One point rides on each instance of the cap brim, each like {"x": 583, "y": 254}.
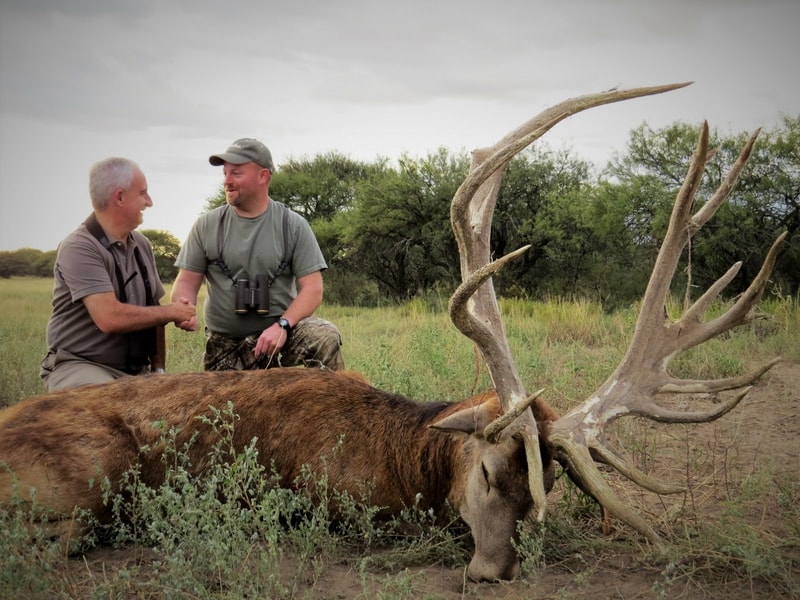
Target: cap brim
{"x": 228, "y": 157}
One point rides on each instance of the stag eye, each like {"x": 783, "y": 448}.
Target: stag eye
{"x": 486, "y": 477}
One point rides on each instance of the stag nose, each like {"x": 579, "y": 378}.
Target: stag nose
{"x": 481, "y": 570}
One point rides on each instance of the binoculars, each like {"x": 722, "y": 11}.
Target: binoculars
{"x": 252, "y": 294}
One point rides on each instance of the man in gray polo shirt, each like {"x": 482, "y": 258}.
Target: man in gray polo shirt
{"x": 106, "y": 313}
{"x": 263, "y": 270}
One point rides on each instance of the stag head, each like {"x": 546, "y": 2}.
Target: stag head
{"x": 578, "y": 438}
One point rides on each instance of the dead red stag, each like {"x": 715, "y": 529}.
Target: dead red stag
{"x": 490, "y": 457}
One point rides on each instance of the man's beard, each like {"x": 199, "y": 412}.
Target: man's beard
{"x": 233, "y": 198}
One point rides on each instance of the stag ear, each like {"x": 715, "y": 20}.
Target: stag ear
{"x": 468, "y": 420}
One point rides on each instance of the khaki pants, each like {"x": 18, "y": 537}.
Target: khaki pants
{"x": 314, "y": 343}
{"x": 62, "y": 370}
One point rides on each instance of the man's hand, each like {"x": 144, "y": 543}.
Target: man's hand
{"x": 270, "y": 341}
{"x": 189, "y": 320}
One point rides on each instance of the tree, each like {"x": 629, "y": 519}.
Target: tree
{"x": 43, "y": 266}
{"x": 398, "y": 233}
{"x": 538, "y": 192}
{"x": 770, "y": 188}
{"x": 763, "y": 204}
{"x": 321, "y": 187}
{"x": 316, "y": 188}
{"x": 12, "y": 264}
{"x": 165, "y": 248}
{"x": 26, "y": 262}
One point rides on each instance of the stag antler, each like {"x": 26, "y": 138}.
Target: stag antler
{"x": 578, "y": 437}
{"x": 642, "y": 373}
{"x": 473, "y": 307}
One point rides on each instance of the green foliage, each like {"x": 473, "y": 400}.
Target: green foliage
{"x": 764, "y": 203}
{"x": 384, "y": 227}
{"x": 216, "y": 200}
{"x": 229, "y": 532}
{"x": 536, "y": 203}
{"x": 321, "y": 187}
{"x": 398, "y": 231}
{"x": 165, "y": 248}
{"x": 26, "y": 261}
{"x": 29, "y": 568}
{"x": 343, "y": 285}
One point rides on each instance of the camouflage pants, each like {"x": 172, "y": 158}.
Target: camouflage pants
{"x": 314, "y": 343}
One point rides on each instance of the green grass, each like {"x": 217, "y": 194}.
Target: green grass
{"x": 194, "y": 544}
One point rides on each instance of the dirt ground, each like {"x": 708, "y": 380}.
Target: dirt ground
{"x": 763, "y": 430}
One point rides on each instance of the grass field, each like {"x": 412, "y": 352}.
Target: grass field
{"x": 567, "y": 347}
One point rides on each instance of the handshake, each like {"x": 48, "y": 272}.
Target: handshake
{"x": 184, "y": 314}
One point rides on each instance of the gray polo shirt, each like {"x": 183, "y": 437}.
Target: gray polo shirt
{"x": 83, "y": 267}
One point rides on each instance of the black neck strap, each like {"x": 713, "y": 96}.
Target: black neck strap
{"x": 220, "y": 241}
{"x": 96, "y": 230}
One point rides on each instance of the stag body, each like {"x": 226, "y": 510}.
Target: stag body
{"x": 360, "y": 436}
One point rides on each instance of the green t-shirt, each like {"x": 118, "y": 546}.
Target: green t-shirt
{"x": 255, "y": 245}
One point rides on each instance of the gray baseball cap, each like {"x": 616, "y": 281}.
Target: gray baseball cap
{"x": 243, "y": 151}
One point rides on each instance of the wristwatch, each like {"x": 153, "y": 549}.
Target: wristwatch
{"x": 284, "y": 324}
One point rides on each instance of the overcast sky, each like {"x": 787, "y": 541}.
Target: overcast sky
{"x": 167, "y": 83}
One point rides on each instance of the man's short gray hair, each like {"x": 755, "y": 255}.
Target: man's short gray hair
{"x": 107, "y": 176}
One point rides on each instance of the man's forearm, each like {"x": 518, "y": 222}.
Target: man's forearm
{"x": 302, "y": 306}
{"x": 187, "y": 286}
{"x": 180, "y": 292}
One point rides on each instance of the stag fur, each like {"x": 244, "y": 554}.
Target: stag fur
{"x": 401, "y": 450}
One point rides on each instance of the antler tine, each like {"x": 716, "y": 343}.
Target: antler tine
{"x": 710, "y": 207}
{"x": 576, "y": 458}
{"x": 696, "y": 332}
{"x": 579, "y": 436}
{"x": 675, "y": 240}
{"x": 474, "y": 308}
{"x": 458, "y": 306}
{"x": 493, "y": 429}
{"x": 712, "y": 386}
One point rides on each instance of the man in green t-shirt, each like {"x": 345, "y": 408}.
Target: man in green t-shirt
{"x": 262, "y": 267}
